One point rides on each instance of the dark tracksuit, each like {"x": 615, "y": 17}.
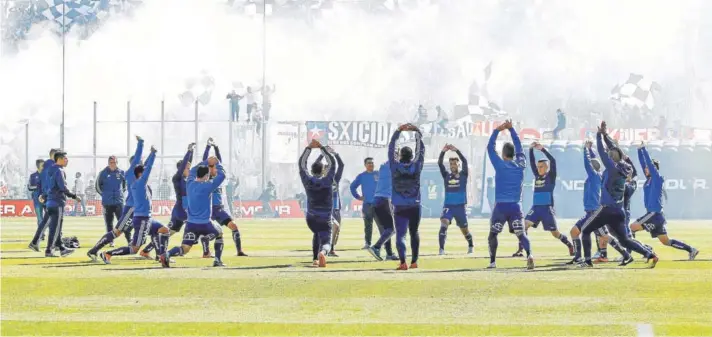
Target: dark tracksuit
{"x": 611, "y": 212}
{"x": 367, "y": 181}
{"x": 179, "y": 214}
{"x": 56, "y": 200}
{"x": 111, "y": 186}
{"x": 543, "y": 202}
{"x": 455, "y": 198}
{"x": 406, "y": 195}
{"x": 320, "y": 201}
{"x": 35, "y": 186}
{"x": 44, "y": 181}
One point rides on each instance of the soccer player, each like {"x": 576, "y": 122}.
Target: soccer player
{"x": 56, "y": 200}
{"x": 44, "y": 181}
{"x": 142, "y": 222}
{"x": 35, "y": 186}
{"x": 123, "y": 225}
{"x": 200, "y": 190}
{"x": 336, "y": 214}
{"x": 219, "y": 214}
{"x": 320, "y": 201}
{"x": 179, "y": 213}
{"x": 653, "y": 193}
{"x": 509, "y": 177}
{"x": 405, "y": 173}
{"x": 611, "y": 212}
{"x": 542, "y": 210}
{"x": 383, "y": 212}
{"x": 455, "y": 197}
{"x": 111, "y": 185}
{"x": 367, "y": 180}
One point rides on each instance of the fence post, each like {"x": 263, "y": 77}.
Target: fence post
{"x": 229, "y": 147}
{"x": 163, "y": 133}
{"x": 128, "y": 129}
{"x": 94, "y": 139}
{"x": 196, "y": 122}
{"x": 27, "y": 150}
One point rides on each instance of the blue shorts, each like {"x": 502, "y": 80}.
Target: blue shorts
{"x": 220, "y": 215}
{"x": 143, "y": 226}
{"x": 124, "y": 223}
{"x": 544, "y": 214}
{"x": 507, "y": 212}
{"x": 588, "y": 218}
{"x": 457, "y": 212}
{"x": 654, "y": 223}
{"x": 178, "y": 218}
{"x": 194, "y": 231}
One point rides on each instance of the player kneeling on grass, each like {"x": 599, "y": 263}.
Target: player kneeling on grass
{"x": 544, "y": 184}
{"x": 142, "y": 222}
{"x": 653, "y": 193}
{"x": 455, "y": 197}
{"x": 200, "y": 190}
{"x": 320, "y": 199}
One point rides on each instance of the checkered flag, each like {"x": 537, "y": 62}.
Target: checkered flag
{"x": 637, "y": 92}
{"x": 479, "y": 106}
{"x": 66, "y": 13}
{"x": 198, "y": 89}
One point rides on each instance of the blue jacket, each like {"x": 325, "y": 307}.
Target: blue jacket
{"x": 614, "y": 177}
{"x": 45, "y": 175}
{"x": 592, "y": 185}
{"x": 320, "y": 197}
{"x": 139, "y": 190}
{"x": 218, "y": 192}
{"x": 544, "y": 185}
{"x": 455, "y": 184}
{"x": 509, "y": 174}
{"x": 337, "y": 179}
{"x": 367, "y": 181}
{"x": 130, "y": 177}
{"x": 35, "y": 186}
{"x": 200, "y": 194}
{"x": 654, "y": 188}
{"x": 406, "y": 176}
{"x": 179, "y": 182}
{"x": 630, "y": 186}
{"x": 384, "y": 188}
{"x": 58, "y": 190}
{"x": 111, "y": 186}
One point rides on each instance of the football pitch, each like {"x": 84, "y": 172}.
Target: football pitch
{"x": 276, "y": 292}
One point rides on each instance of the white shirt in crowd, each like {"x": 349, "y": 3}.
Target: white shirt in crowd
{"x": 79, "y": 187}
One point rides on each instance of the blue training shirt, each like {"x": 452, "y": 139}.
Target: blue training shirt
{"x": 654, "y": 188}
{"x": 217, "y": 193}
{"x": 544, "y": 185}
{"x": 45, "y": 175}
{"x": 111, "y": 186}
{"x": 320, "y": 197}
{"x": 592, "y": 185}
{"x": 140, "y": 191}
{"x": 406, "y": 176}
{"x": 35, "y": 186}
{"x": 455, "y": 184}
{"x": 130, "y": 176}
{"x": 614, "y": 177}
{"x": 367, "y": 181}
{"x": 200, "y": 194}
{"x": 384, "y": 188}
{"x": 58, "y": 190}
{"x": 509, "y": 174}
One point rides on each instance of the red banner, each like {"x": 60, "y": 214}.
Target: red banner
{"x": 244, "y": 209}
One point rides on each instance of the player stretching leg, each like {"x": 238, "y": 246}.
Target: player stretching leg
{"x": 509, "y": 177}
{"x": 544, "y": 184}
{"x": 405, "y": 173}
{"x": 367, "y": 180}
{"x": 124, "y": 224}
{"x": 611, "y": 212}
{"x": 383, "y": 213}
{"x": 319, "y": 201}
{"x": 455, "y": 197}
{"x": 179, "y": 213}
{"x": 336, "y": 213}
{"x": 219, "y": 213}
{"x": 591, "y": 197}
{"x": 200, "y": 190}
{"x": 653, "y": 192}
{"x": 142, "y": 222}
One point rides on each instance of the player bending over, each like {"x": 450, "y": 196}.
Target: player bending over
{"x": 142, "y": 222}
{"x": 201, "y": 189}
{"x": 509, "y": 177}
{"x": 653, "y": 193}
{"x": 405, "y": 173}
{"x": 611, "y": 212}
{"x": 455, "y": 197}
{"x": 320, "y": 201}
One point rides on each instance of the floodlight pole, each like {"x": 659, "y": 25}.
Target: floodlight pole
{"x": 61, "y": 125}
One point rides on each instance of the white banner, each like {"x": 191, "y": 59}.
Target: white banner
{"x": 284, "y": 143}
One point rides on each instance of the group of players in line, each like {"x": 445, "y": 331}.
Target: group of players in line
{"x": 391, "y": 197}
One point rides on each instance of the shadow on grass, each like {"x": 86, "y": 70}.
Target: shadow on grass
{"x": 338, "y": 250}
{"x": 158, "y": 267}
{"x": 12, "y": 241}
{"x": 327, "y": 270}
{"x": 277, "y": 266}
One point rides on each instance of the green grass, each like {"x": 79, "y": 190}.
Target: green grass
{"x": 275, "y": 292}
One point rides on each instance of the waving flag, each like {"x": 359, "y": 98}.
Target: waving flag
{"x": 66, "y": 13}
{"x": 636, "y": 91}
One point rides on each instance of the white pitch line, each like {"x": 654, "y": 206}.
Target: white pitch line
{"x": 645, "y": 330}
